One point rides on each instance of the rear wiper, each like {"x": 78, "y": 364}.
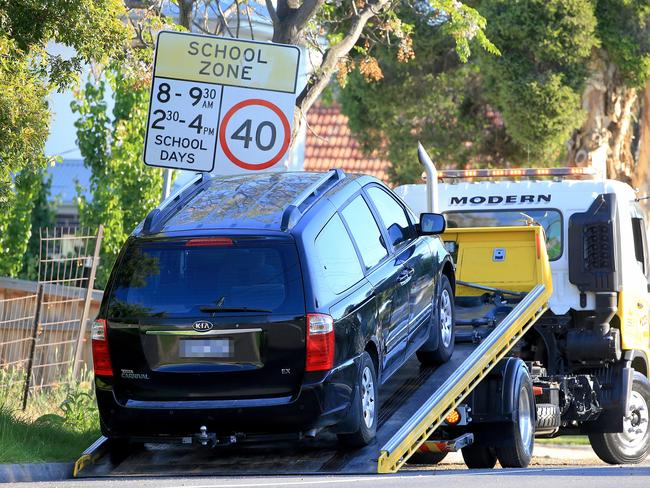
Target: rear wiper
{"x": 212, "y": 309}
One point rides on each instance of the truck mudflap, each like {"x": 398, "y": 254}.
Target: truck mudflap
{"x": 413, "y": 403}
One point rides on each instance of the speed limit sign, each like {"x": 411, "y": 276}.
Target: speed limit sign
{"x": 221, "y": 105}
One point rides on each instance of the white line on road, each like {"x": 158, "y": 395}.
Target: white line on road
{"x": 297, "y": 483}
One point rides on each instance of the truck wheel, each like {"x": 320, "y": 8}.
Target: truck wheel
{"x": 426, "y": 457}
{"x": 439, "y": 347}
{"x": 633, "y": 444}
{"x": 367, "y": 405}
{"x": 520, "y": 451}
{"x": 479, "y": 457}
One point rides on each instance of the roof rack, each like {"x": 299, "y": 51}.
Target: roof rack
{"x": 306, "y": 199}
{"x": 159, "y": 215}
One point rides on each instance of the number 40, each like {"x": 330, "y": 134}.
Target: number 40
{"x": 243, "y": 133}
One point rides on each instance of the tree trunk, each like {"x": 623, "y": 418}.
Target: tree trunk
{"x": 642, "y": 156}
{"x": 606, "y": 138}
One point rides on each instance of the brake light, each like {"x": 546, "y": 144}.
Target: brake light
{"x": 320, "y": 342}
{"x": 210, "y": 241}
{"x": 101, "y": 357}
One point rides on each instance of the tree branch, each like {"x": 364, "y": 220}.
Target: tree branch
{"x": 306, "y": 12}
{"x": 321, "y": 77}
{"x": 272, "y": 13}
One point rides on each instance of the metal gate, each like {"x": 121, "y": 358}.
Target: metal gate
{"x": 41, "y": 335}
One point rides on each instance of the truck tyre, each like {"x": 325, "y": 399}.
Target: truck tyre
{"x": 522, "y": 431}
{"x": 427, "y": 457}
{"x": 440, "y": 345}
{"x": 366, "y": 403}
{"x": 479, "y": 457}
{"x": 633, "y": 444}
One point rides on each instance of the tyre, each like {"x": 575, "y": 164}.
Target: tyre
{"x": 519, "y": 452}
{"x": 427, "y": 457}
{"x": 633, "y": 444}
{"x": 479, "y": 457}
{"x": 367, "y": 405}
{"x": 439, "y": 347}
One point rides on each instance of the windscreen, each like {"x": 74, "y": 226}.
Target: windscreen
{"x": 190, "y": 278}
{"x": 550, "y": 220}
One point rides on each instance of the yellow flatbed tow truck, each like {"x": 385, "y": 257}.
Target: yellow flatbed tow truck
{"x": 503, "y": 283}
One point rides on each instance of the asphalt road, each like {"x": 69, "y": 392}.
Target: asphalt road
{"x": 546, "y": 471}
{"x": 546, "y": 477}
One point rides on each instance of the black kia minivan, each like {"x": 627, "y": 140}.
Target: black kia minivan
{"x": 269, "y": 304}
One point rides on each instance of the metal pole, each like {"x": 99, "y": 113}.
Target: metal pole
{"x": 167, "y": 184}
{"x": 32, "y": 347}
{"x": 432, "y": 179}
{"x": 87, "y": 300}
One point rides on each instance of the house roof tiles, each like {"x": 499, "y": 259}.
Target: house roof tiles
{"x": 330, "y": 144}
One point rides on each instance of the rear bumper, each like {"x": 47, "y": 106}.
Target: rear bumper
{"x": 323, "y": 401}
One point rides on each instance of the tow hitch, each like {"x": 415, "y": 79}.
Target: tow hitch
{"x": 211, "y": 439}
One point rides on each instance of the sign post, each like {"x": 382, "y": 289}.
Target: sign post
{"x": 221, "y": 105}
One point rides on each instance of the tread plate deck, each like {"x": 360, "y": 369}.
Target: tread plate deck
{"x": 400, "y": 397}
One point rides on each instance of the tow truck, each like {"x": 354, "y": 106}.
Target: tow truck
{"x": 420, "y": 406}
{"x": 588, "y": 355}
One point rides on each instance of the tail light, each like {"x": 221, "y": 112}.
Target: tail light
{"x": 101, "y": 357}
{"x": 320, "y": 342}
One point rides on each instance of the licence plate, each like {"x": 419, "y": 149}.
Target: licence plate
{"x": 206, "y": 348}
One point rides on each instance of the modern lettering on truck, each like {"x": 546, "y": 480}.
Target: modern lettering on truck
{"x": 499, "y": 199}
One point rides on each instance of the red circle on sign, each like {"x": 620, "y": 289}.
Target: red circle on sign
{"x": 235, "y": 159}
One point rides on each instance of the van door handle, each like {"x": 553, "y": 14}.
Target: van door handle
{"x": 640, "y": 305}
{"x": 405, "y": 275}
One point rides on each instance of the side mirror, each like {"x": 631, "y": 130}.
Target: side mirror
{"x": 432, "y": 224}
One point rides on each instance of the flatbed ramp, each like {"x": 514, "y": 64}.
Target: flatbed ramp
{"x": 413, "y": 404}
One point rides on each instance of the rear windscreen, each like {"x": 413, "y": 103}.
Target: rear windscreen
{"x": 190, "y": 278}
{"x": 550, "y": 220}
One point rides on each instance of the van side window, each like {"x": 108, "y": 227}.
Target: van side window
{"x": 337, "y": 256}
{"x": 638, "y": 231}
{"x": 365, "y": 231}
{"x": 393, "y": 216}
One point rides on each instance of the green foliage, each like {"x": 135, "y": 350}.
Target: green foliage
{"x": 16, "y": 221}
{"x": 94, "y": 29}
{"x": 59, "y": 423}
{"x": 24, "y": 116}
{"x": 624, "y": 29}
{"x": 28, "y": 72}
{"x": 518, "y": 107}
{"x": 465, "y": 24}
{"x": 433, "y": 98}
{"x": 123, "y": 188}
{"x": 42, "y": 216}
{"x": 537, "y": 82}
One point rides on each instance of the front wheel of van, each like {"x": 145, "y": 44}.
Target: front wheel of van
{"x": 442, "y": 326}
{"x": 366, "y": 405}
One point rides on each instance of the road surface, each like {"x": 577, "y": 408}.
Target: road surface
{"x": 552, "y": 468}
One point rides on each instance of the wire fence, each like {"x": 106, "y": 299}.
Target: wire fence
{"x": 41, "y": 335}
